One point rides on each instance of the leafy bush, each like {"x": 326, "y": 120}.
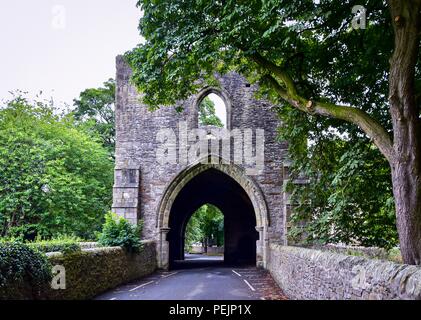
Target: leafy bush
{"x": 22, "y": 270}
{"x": 348, "y": 198}
{"x": 56, "y": 176}
{"x": 117, "y": 231}
{"x": 61, "y": 244}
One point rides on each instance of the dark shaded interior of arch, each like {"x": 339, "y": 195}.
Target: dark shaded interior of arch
{"x": 215, "y": 187}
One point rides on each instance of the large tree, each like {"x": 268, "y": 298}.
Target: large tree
{"x": 304, "y": 55}
{"x": 95, "y": 107}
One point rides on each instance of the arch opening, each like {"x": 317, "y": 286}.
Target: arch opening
{"x": 215, "y": 187}
{"x": 213, "y": 111}
{"x": 233, "y": 186}
{"x": 204, "y": 229}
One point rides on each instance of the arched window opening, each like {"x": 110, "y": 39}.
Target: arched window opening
{"x": 213, "y": 111}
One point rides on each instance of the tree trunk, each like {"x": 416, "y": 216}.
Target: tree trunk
{"x": 407, "y": 193}
{"x": 405, "y": 113}
{"x": 205, "y": 245}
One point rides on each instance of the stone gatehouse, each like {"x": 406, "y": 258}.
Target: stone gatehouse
{"x": 165, "y": 195}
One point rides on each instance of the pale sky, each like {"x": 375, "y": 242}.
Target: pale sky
{"x": 63, "y": 46}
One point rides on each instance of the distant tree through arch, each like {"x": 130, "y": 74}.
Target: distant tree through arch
{"x": 213, "y": 111}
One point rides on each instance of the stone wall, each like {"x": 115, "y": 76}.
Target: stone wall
{"x": 89, "y": 245}
{"x": 95, "y": 270}
{"x": 312, "y": 274}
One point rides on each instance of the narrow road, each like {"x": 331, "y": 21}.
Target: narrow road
{"x": 214, "y": 282}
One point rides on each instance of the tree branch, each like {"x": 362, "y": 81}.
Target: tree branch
{"x": 288, "y": 92}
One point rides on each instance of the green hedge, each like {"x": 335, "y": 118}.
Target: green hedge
{"x": 25, "y": 273}
{"x": 89, "y": 273}
{"x": 64, "y": 246}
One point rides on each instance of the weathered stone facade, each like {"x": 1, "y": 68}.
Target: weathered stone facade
{"x": 312, "y": 274}
{"x": 145, "y": 189}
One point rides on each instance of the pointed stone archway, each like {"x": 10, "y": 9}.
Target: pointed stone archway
{"x": 148, "y": 191}
{"x": 236, "y": 194}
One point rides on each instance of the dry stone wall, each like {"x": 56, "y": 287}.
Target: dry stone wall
{"x": 312, "y": 274}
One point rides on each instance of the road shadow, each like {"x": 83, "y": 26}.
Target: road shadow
{"x": 197, "y": 261}
{"x": 192, "y": 261}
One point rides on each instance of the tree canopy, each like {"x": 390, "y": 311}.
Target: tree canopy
{"x": 306, "y": 56}
{"x": 95, "y": 107}
{"x": 56, "y": 177}
{"x": 187, "y": 41}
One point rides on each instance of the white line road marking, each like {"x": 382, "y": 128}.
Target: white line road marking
{"x": 113, "y": 298}
{"x": 169, "y": 275}
{"x": 142, "y": 285}
{"x": 236, "y": 273}
{"x": 250, "y": 286}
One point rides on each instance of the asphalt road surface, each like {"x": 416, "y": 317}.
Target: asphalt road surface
{"x": 200, "y": 278}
